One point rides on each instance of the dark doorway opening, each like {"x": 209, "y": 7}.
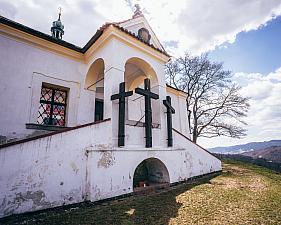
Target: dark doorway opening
{"x": 151, "y": 174}
{"x": 98, "y": 110}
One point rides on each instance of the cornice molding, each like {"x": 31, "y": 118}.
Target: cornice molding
{"x": 109, "y": 33}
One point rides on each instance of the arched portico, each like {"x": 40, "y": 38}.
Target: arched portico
{"x": 149, "y": 172}
{"x": 136, "y": 70}
{"x": 94, "y": 85}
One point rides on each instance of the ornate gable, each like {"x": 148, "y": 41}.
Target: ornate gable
{"x": 140, "y": 27}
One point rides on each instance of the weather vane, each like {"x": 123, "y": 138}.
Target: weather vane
{"x": 138, "y": 11}
{"x": 60, "y": 9}
{"x": 137, "y": 6}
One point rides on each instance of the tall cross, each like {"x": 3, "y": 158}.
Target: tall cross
{"x": 170, "y": 111}
{"x": 121, "y": 120}
{"x": 148, "y": 95}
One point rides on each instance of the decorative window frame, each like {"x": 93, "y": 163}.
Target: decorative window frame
{"x": 38, "y": 79}
{"x": 56, "y": 98}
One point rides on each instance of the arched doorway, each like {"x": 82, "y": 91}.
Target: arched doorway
{"x": 94, "y": 84}
{"x": 151, "y": 172}
{"x": 136, "y": 70}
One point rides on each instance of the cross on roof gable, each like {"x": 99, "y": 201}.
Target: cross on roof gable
{"x": 137, "y": 22}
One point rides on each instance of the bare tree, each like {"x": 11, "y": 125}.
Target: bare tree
{"x": 214, "y": 104}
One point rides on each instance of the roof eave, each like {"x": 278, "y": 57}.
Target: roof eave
{"x": 68, "y": 45}
{"x": 39, "y": 34}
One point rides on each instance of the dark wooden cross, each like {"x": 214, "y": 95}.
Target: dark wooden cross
{"x": 170, "y": 111}
{"x": 121, "y": 120}
{"x": 148, "y": 95}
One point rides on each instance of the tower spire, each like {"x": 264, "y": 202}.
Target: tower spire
{"x": 57, "y": 28}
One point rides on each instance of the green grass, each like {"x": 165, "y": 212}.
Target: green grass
{"x": 242, "y": 194}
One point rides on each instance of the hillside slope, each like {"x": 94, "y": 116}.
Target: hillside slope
{"x": 236, "y": 149}
{"x": 242, "y": 194}
{"x": 270, "y": 154}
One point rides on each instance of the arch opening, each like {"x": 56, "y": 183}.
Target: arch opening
{"x": 136, "y": 70}
{"x": 151, "y": 173}
{"x": 94, "y": 84}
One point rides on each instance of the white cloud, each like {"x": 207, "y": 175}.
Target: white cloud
{"x": 264, "y": 117}
{"x": 194, "y": 26}
{"x": 265, "y": 94}
{"x": 208, "y": 24}
{"x": 200, "y": 26}
{"x": 81, "y": 18}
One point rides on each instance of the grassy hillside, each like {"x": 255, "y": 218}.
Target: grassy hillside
{"x": 242, "y": 194}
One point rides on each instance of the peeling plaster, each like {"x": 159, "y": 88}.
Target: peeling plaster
{"x": 46, "y": 179}
{"x": 29, "y": 178}
{"x": 34, "y": 200}
{"x": 72, "y": 196}
{"x": 3, "y": 204}
{"x": 107, "y": 159}
{"x": 74, "y": 167}
{"x": 188, "y": 160}
{"x": 103, "y": 147}
{"x": 38, "y": 198}
{"x": 97, "y": 192}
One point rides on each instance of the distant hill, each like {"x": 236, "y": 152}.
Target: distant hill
{"x": 238, "y": 149}
{"x": 270, "y": 154}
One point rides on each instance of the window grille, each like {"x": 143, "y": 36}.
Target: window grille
{"x": 52, "y": 109}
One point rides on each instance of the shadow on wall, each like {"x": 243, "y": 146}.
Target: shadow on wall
{"x": 157, "y": 208}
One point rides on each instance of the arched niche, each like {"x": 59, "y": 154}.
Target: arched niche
{"x": 149, "y": 172}
{"x": 94, "y": 85}
{"x": 95, "y": 75}
{"x": 136, "y": 70}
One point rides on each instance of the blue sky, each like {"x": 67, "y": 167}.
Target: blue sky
{"x": 256, "y": 51}
{"x": 255, "y": 60}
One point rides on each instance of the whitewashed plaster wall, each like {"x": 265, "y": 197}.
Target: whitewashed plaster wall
{"x": 180, "y": 118}
{"x": 49, "y": 171}
{"x": 116, "y": 177}
{"x": 114, "y": 74}
{"x": 59, "y": 170}
{"x": 183, "y": 161}
{"x": 200, "y": 160}
{"x": 23, "y": 69}
{"x": 82, "y": 164}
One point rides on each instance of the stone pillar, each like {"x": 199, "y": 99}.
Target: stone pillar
{"x": 162, "y": 132}
{"x": 112, "y": 78}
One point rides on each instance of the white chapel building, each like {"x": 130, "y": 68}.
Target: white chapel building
{"x": 91, "y": 123}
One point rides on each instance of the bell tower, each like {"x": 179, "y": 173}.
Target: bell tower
{"x": 57, "y": 28}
